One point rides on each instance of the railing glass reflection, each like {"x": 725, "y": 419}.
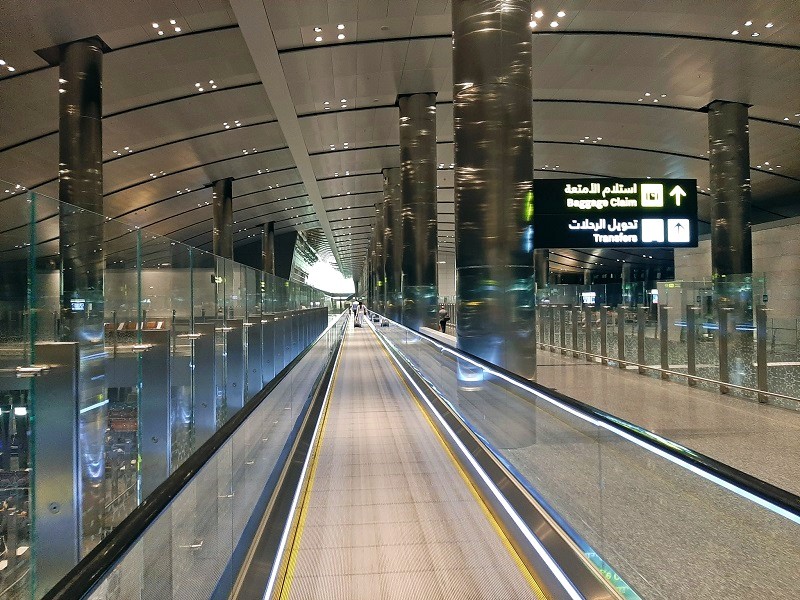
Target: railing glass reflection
{"x": 170, "y": 342}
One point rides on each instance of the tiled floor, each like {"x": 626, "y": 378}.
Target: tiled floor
{"x": 758, "y": 439}
{"x": 388, "y": 514}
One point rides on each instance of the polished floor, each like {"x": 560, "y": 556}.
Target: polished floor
{"x": 388, "y": 514}
{"x": 758, "y": 439}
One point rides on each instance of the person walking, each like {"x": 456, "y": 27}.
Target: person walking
{"x": 444, "y": 317}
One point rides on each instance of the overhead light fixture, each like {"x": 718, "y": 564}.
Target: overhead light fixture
{"x": 317, "y": 29}
{"x": 326, "y": 103}
{"x": 755, "y": 34}
{"x": 538, "y": 14}
{"x": 748, "y": 23}
{"x": 155, "y": 25}
{"x": 172, "y": 21}
{"x": 769, "y": 25}
{"x": 318, "y": 38}
{"x": 340, "y": 36}
{"x": 561, "y": 14}
{"x": 533, "y": 24}
{"x": 343, "y": 100}
{"x": 735, "y": 32}
{"x": 177, "y": 30}
{"x": 554, "y": 24}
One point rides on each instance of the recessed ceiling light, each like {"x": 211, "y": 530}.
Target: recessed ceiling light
{"x": 755, "y": 34}
{"x": 735, "y": 32}
{"x": 343, "y": 100}
{"x": 554, "y": 24}
{"x": 11, "y": 69}
{"x": 327, "y": 108}
{"x": 2, "y": 63}
{"x": 155, "y": 25}
{"x": 200, "y": 90}
{"x": 769, "y": 25}
{"x": 647, "y": 94}
{"x": 340, "y": 26}
{"x": 748, "y": 23}
{"x": 172, "y": 21}
{"x": 211, "y": 81}
{"x": 177, "y": 30}
{"x": 538, "y": 14}
{"x": 317, "y": 29}
{"x": 160, "y": 32}
{"x": 533, "y": 24}
{"x": 340, "y": 36}
{"x": 197, "y": 85}
{"x": 326, "y": 103}
{"x": 663, "y": 95}
{"x": 318, "y": 38}
{"x": 561, "y": 13}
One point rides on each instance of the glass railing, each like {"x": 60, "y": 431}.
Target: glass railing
{"x": 657, "y": 520}
{"x": 194, "y": 541}
{"x": 723, "y": 342}
{"x": 121, "y": 352}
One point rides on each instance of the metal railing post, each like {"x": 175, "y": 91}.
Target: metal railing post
{"x": 588, "y": 331}
{"x": 691, "y": 343}
{"x": 641, "y": 318}
{"x": 575, "y": 315}
{"x": 621, "y": 335}
{"x": 663, "y": 325}
{"x": 724, "y": 372}
{"x": 603, "y": 334}
{"x": 761, "y": 351}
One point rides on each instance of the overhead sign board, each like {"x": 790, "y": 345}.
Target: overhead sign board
{"x": 615, "y": 213}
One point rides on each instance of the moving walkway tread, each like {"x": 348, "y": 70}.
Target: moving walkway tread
{"x": 387, "y": 512}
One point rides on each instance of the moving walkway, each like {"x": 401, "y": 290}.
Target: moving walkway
{"x": 409, "y": 469}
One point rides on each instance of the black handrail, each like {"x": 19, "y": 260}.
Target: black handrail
{"x": 758, "y": 487}
{"x": 110, "y": 550}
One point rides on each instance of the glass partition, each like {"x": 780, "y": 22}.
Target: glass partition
{"x": 718, "y": 335}
{"x": 144, "y": 340}
{"x": 653, "y": 524}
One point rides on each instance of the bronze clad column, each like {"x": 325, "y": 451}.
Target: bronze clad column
{"x": 392, "y": 240}
{"x": 418, "y": 192}
{"x": 81, "y": 245}
{"x": 222, "y": 206}
{"x": 729, "y": 160}
{"x": 268, "y": 248}
{"x": 493, "y": 138}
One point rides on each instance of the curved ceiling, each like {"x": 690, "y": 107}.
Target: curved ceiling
{"x": 620, "y": 88}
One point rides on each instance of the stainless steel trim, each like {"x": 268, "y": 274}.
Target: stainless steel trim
{"x": 55, "y": 475}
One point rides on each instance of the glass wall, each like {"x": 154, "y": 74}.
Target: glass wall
{"x": 121, "y": 352}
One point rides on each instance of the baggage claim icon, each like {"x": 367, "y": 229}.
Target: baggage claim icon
{"x": 652, "y": 196}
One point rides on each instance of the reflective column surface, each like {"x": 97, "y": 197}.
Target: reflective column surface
{"x": 391, "y": 237}
{"x": 418, "y": 192}
{"x": 83, "y": 260}
{"x": 222, "y": 205}
{"x": 729, "y": 160}
{"x": 493, "y": 141}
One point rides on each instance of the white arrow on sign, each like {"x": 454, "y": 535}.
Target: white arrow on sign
{"x": 678, "y": 192}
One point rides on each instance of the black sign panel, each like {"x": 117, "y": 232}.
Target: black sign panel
{"x": 615, "y": 213}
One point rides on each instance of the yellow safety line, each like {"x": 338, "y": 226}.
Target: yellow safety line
{"x": 298, "y": 534}
{"x": 473, "y": 490}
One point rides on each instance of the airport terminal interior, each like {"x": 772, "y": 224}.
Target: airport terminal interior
{"x": 399, "y": 299}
